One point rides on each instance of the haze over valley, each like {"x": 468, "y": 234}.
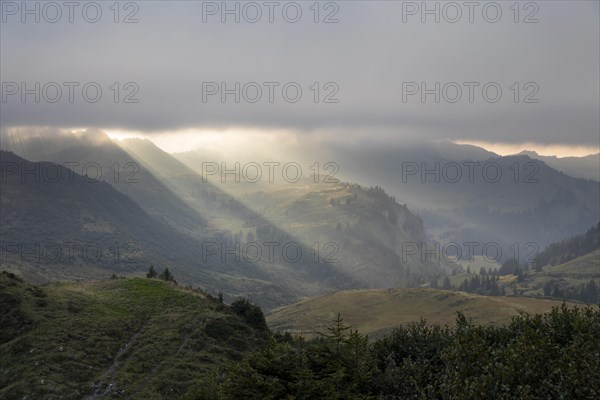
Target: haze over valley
{"x": 299, "y": 200}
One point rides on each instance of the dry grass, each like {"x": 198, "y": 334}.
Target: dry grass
{"x": 376, "y": 311}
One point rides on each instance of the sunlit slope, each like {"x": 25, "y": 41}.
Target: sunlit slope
{"x": 76, "y": 226}
{"x": 376, "y": 311}
{"x": 123, "y": 338}
{"x": 531, "y": 201}
{"x": 355, "y": 234}
{"x": 360, "y": 230}
{"x": 355, "y": 230}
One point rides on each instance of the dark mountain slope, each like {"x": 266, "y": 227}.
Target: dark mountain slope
{"x": 95, "y": 153}
{"x": 76, "y": 227}
{"x": 587, "y": 167}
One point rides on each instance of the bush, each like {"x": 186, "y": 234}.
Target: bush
{"x": 555, "y": 355}
{"x": 251, "y": 313}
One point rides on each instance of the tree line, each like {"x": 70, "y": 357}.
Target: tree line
{"x": 534, "y": 356}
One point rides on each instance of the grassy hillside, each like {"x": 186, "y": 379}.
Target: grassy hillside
{"x": 123, "y": 338}
{"x": 567, "y": 276}
{"x": 569, "y": 269}
{"x": 376, "y": 312}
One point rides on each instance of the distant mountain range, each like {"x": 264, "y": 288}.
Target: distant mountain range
{"x": 348, "y": 236}
{"x": 462, "y": 193}
{"x": 587, "y": 167}
{"x": 162, "y": 203}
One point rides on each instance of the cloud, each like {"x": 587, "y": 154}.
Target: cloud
{"x": 363, "y": 61}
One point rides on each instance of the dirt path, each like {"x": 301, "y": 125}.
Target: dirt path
{"x": 99, "y": 392}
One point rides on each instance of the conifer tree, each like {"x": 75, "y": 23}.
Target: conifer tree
{"x": 167, "y": 276}
{"x": 151, "y": 272}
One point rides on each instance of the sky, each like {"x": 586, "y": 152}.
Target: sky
{"x": 496, "y": 75}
